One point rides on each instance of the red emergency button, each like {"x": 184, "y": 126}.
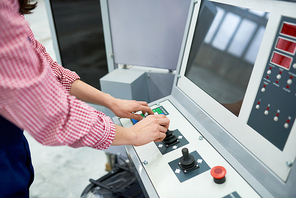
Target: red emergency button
{"x": 218, "y": 173}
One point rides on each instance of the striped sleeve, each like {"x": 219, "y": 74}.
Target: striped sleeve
{"x": 63, "y": 75}
{"x": 32, "y": 98}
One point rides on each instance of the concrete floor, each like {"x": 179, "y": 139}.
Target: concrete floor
{"x": 60, "y": 172}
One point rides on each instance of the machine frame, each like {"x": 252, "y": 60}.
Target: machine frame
{"x": 219, "y": 132}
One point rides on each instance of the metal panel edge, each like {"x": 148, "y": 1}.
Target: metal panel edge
{"x": 134, "y": 159}
{"x": 107, "y": 35}
{"x": 53, "y": 31}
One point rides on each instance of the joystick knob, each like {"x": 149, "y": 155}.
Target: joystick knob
{"x": 170, "y": 139}
{"x": 218, "y": 173}
{"x": 187, "y": 161}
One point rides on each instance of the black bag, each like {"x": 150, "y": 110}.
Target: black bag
{"x": 121, "y": 182}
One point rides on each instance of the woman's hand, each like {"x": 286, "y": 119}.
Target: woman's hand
{"x": 152, "y": 128}
{"x": 126, "y": 108}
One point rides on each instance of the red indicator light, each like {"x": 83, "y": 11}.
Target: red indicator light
{"x": 277, "y": 114}
{"x": 286, "y": 45}
{"x": 281, "y": 60}
{"x": 280, "y": 72}
{"x": 277, "y": 82}
{"x": 258, "y": 102}
{"x": 267, "y": 76}
{"x": 264, "y": 85}
{"x": 270, "y": 67}
{"x": 288, "y": 86}
{"x": 267, "y": 108}
{"x": 291, "y": 77}
{"x": 288, "y": 121}
{"x": 289, "y": 29}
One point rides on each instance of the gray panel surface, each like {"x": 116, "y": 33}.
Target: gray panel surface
{"x": 148, "y": 33}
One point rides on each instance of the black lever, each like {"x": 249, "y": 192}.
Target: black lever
{"x": 187, "y": 161}
{"x": 170, "y": 139}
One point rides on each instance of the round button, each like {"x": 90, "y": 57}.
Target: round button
{"x": 218, "y": 173}
{"x": 276, "y": 118}
{"x": 263, "y": 90}
{"x": 257, "y": 106}
{"x": 269, "y": 72}
{"x": 279, "y": 76}
{"x": 294, "y": 65}
{"x": 286, "y": 125}
{"x": 289, "y": 81}
{"x": 266, "y": 112}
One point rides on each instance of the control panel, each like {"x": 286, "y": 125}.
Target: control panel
{"x": 274, "y": 108}
{"x": 187, "y": 163}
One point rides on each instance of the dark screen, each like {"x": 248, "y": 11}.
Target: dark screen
{"x": 224, "y": 49}
{"x": 79, "y": 30}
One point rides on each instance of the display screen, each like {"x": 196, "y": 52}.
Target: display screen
{"x": 289, "y": 29}
{"x": 285, "y": 45}
{"x": 224, "y": 49}
{"x": 281, "y": 60}
{"x": 80, "y": 37}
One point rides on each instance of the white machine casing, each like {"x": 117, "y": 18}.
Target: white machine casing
{"x": 256, "y": 165}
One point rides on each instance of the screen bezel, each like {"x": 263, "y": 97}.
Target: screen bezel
{"x": 265, "y": 151}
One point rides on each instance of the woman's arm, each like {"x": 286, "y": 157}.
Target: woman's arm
{"x": 121, "y": 108}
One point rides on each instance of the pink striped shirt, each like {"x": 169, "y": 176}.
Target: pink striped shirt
{"x": 34, "y": 90}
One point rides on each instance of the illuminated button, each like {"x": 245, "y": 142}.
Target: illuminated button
{"x": 263, "y": 89}
{"x": 289, "y": 81}
{"x": 286, "y": 125}
{"x": 266, "y": 112}
{"x": 278, "y": 76}
{"x": 276, "y": 118}
{"x": 269, "y": 72}
{"x": 218, "y": 173}
{"x": 257, "y": 106}
{"x": 294, "y": 65}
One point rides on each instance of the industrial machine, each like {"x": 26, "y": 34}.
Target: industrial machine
{"x": 232, "y": 107}
{"x": 228, "y": 89}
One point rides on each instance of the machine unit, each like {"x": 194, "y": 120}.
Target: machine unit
{"x": 232, "y": 108}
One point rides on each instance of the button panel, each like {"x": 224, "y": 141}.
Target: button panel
{"x": 163, "y": 168}
{"x": 276, "y": 98}
{"x": 158, "y": 110}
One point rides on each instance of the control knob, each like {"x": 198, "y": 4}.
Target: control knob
{"x": 170, "y": 139}
{"x": 187, "y": 162}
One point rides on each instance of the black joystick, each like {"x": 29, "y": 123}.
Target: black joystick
{"x": 170, "y": 139}
{"x": 187, "y": 162}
